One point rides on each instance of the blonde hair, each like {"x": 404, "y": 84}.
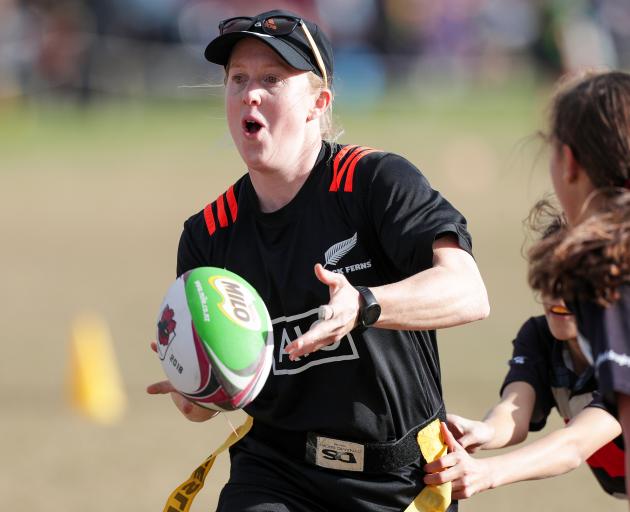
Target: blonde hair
{"x": 328, "y": 127}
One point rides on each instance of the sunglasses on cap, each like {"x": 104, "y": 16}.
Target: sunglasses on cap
{"x": 275, "y": 26}
{"x": 560, "y": 310}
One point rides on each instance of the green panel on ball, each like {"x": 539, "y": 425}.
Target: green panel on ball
{"x": 229, "y": 316}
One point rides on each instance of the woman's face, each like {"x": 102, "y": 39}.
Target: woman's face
{"x": 561, "y": 322}
{"x": 268, "y": 105}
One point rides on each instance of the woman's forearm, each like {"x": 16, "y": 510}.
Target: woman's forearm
{"x": 448, "y": 294}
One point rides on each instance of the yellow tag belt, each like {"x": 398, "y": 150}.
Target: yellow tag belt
{"x": 433, "y": 498}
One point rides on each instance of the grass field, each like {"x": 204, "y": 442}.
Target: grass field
{"x": 91, "y": 207}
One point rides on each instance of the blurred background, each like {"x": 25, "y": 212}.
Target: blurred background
{"x": 112, "y": 133}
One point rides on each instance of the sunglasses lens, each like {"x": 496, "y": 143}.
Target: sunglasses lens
{"x": 279, "y": 25}
{"x": 560, "y": 310}
{"x": 236, "y": 25}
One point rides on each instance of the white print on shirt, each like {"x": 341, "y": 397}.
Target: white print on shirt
{"x": 353, "y": 268}
{"x": 339, "y": 250}
{"x": 288, "y": 328}
{"x": 611, "y": 355}
{"x": 518, "y": 360}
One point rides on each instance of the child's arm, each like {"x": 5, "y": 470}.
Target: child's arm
{"x": 507, "y": 423}
{"x": 555, "y": 454}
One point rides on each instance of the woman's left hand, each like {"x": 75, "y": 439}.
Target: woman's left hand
{"x": 336, "y": 319}
{"x": 189, "y": 409}
{"x": 468, "y": 475}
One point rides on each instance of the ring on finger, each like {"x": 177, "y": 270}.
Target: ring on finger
{"x": 325, "y": 312}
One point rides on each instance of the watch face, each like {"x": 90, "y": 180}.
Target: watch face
{"x": 370, "y": 310}
{"x": 371, "y": 314}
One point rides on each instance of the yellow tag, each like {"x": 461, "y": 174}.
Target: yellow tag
{"x": 181, "y": 498}
{"x": 433, "y": 498}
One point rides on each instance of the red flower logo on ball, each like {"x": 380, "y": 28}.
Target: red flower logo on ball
{"x": 166, "y": 326}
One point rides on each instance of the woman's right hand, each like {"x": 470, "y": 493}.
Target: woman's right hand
{"x": 189, "y": 409}
{"x": 470, "y": 434}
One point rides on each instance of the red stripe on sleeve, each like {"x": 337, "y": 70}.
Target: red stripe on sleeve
{"x": 357, "y": 151}
{"x": 610, "y": 458}
{"x": 209, "y": 216}
{"x": 334, "y": 186}
{"x": 221, "y": 215}
{"x": 232, "y": 204}
{"x": 347, "y": 161}
{"x": 348, "y": 186}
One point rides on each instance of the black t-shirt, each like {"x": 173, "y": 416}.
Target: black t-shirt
{"x": 544, "y": 363}
{"x": 371, "y": 216}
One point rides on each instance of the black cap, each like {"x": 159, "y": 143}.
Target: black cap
{"x": 294, "y": 48}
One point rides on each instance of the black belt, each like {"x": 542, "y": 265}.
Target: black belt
{"x": 334, "y": 453}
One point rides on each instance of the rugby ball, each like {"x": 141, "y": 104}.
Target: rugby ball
{"x": 215, "y": 338}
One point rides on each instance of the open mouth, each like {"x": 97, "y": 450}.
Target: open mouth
{"x": 251, "y": 127}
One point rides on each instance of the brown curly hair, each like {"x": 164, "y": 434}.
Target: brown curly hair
{"x": 591, "y": 259}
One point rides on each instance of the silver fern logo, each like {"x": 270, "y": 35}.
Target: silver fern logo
{"x": 339, "y": 250}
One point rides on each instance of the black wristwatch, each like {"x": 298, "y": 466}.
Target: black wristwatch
{"x": 370, "y": 309}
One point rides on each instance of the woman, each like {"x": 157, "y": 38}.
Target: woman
{"x": 589, "y": 265}
{"x": 355, "y": 374}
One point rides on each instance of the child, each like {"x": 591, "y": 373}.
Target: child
{"x": 547, "y": 370}
{"x": 589, "y": 264}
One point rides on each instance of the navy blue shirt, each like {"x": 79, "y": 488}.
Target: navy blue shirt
{"x": 544, "y": 363}
{"x": 604, "y": 335}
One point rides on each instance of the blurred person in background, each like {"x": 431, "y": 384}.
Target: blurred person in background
{"x": 588, "y": 264}
{"x": 90, "y": 48}
{"x": 18, "y": 47}
{"x": 356, "y": 375}
{"x": 64, "y": 44}
{"x": 547, "y": 370}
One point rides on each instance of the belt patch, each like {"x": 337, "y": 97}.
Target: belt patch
{"x": 330, "y": 453}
